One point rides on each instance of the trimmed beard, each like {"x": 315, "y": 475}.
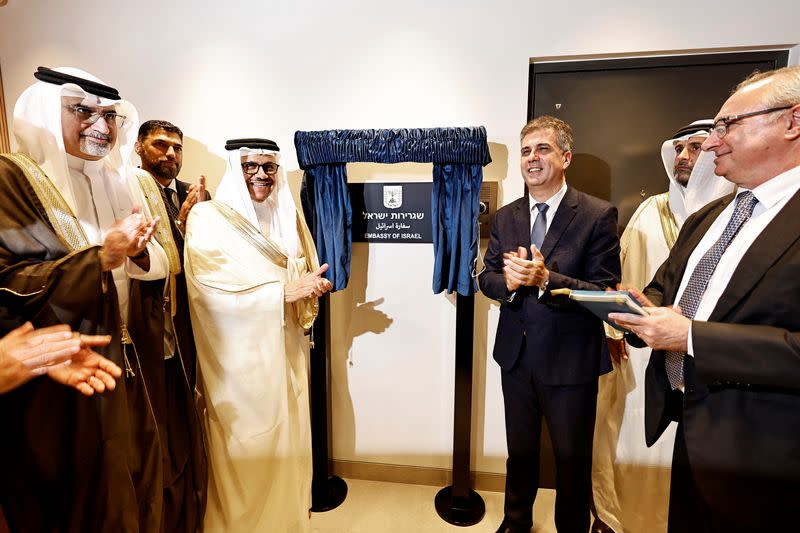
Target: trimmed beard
{"x": 683, "y": 181}
{"x": 94, "y": 149}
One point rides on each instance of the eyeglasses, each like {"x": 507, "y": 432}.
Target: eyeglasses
{"x": 90, "y": 115}
{"x": 721, "y": 125}
{"x": 251, "y": 168}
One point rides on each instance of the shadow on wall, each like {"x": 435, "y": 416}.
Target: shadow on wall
{"x": 197, "y": 159}
{"x": 295, "y": 179}
{"x": 495, "y": 171}
{"x": 353, "y": 315}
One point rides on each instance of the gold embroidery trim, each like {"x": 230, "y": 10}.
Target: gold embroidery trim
{"x": 260, "y": 242}
{"x": 668, "y": 224}
{"x": 163, "y": 233}
{"x": 58, "y": 212}
{"x": 306, "y": 310}
{"x": 65, "y": 223}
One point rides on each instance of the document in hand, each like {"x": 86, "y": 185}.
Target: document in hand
{"x": 601, "y": 303}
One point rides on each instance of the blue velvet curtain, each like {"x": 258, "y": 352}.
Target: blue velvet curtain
{"x": 458, "y": 155}
{"x": 326, "y": 204}
{"x": 454, "y": 210}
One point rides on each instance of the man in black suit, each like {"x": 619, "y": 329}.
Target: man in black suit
{"x": 550, "y": 351}
{"x": 160, "y": 147}
{"x": 728, "y": 361}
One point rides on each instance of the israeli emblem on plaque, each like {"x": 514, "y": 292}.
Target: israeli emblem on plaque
{"x": 392, "y": 196}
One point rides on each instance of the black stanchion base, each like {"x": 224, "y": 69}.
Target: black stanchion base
{"x": 459, "y": 511}
{"x": 329, "y": 496}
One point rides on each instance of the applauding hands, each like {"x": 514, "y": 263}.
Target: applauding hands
{"x": 64, "y": 355}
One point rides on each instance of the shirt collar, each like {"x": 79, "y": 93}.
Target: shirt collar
{"x": 776, "y": 189}
{"x": 551, "y": 202}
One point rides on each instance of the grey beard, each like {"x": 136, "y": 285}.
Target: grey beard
{"x": 94, "y": 149}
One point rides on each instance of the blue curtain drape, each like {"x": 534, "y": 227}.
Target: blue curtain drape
{"x": 454, "y": 210}
{"x": 326, "y": 204}
{"x": 458, "y": 155}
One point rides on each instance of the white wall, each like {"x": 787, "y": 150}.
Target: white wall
{"x": 255, "y": 68}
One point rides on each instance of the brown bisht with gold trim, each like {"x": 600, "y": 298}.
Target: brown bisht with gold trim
{"x": 174, "y": 405}
{"x": 92, "y": 463}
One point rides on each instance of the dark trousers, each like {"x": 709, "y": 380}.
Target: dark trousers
{"x": 569, "y": 412}
{"x": 689, "y": 512}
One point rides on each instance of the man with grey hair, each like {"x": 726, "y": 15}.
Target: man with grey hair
{"x": 550, "y": 351}
{"x": 724, "y": 321}
{"x": 74, "y": 236}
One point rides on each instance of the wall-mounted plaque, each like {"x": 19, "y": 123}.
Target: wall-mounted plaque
{"x": 391, "y": 212}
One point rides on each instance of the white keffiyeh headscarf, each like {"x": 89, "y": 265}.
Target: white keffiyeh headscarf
{"x": 276, "y": 216}
{"x": 37, "y": 132}
{"x": 704, "y": 186}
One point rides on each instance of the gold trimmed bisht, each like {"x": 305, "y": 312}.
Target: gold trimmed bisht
{"x": 305, "y": 310}
{"x": 66, "y": 226}
{"x": 668, "y": 223}
{"x": 163, "y": 233}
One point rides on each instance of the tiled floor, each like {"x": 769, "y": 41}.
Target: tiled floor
{"x": 377, "y": 507}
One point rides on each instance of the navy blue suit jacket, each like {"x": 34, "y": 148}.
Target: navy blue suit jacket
{"x": 565, "y": 344}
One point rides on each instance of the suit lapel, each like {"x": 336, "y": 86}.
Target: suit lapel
{"x": 562, "y": 219}
{"x": 522, "y": 223}
{"x": 682, "y": 251}
{"x": 780, "y": 234}
{"x": 182, "y": 188}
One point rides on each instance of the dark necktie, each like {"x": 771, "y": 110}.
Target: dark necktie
{"x": 539, "y": 225}
{"x": 170, "y": 197}
{"x": 696, "y": 287}
{"x": 171, "y": 201}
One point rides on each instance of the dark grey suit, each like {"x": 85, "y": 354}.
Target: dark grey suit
{"x": 737, "y": 453}
{"x": 551, "y": 351}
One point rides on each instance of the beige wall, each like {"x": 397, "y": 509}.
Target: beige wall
{"x": 253, "y": 68}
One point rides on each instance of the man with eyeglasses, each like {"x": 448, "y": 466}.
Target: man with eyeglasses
{"x": 159, "y": 144}
{"x": 74, "y": 235}
{"x": 726, "y": 360}
{"x": 253, "y": 279}
{"x": 631, "y": 480}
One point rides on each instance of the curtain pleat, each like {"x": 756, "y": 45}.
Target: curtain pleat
{"x": 458, "y": 155}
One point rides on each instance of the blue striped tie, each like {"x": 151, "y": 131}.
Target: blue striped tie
{"x": 690, "y": 299}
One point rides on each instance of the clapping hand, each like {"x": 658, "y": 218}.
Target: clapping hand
{"x": 127, "y": 238}
{"x": 195, "y": 193}
{"x": 519, "y": 271}
{"x": 64, "y": 355}
{"x": 309, "y": 285}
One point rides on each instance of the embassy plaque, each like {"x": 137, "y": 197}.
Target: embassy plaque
{"x": 391, "y": 212}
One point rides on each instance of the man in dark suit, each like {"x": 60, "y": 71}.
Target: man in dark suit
{"x": 160, "y": 147}
{"x": 550, "y": 351}
{"x": 728, "y": 361}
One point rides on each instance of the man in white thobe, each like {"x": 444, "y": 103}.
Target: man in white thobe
{"x": 631, "y": 481}
{"x": 253, "y": 280}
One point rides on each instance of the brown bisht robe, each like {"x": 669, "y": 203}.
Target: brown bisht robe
{"x": 70, "y": 463}
{"x": 184, "y": 457}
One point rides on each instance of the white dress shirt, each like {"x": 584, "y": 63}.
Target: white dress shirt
{"x": 552, "y": 206}
{"x": 772, "y": 196}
